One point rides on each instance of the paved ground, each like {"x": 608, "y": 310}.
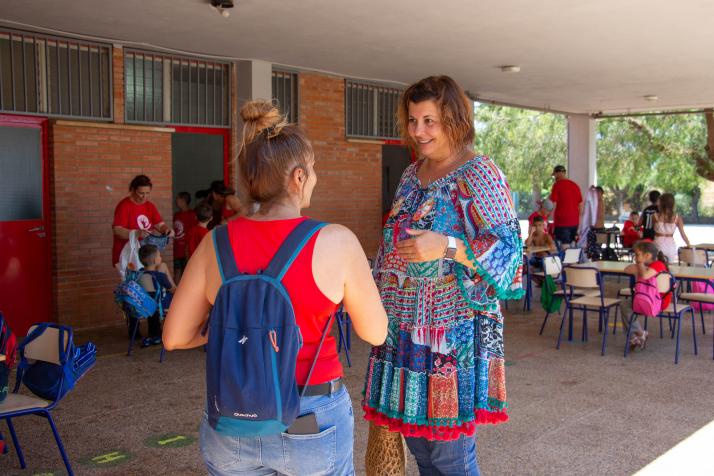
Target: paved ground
{"x": 572, "y": 412}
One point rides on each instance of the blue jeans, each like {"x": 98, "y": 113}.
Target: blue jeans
{"x": 328, "y": 452}
{"x": 445, "y": 458}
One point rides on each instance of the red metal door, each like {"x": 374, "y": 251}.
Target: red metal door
{"x": 25, "y": 259}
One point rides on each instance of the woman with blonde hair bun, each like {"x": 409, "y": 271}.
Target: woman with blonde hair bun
{"x": 276, "y": 165}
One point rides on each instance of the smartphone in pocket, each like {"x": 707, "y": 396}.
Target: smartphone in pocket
{"x": 304, "y": 425}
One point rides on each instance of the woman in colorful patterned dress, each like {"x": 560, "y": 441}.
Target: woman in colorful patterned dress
{"x": 451, "y": 250}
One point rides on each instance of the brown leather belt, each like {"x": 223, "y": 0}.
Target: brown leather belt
{"x": 327, "y": 388}
{"x": 664, "y": 235}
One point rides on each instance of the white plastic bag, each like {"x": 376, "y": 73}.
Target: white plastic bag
{"x": 129, "y": 257}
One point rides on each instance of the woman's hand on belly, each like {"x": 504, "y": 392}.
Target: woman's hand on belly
{"x": 424, "y": 246}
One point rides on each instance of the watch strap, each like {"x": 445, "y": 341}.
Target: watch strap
{"x": 450, "y": 252}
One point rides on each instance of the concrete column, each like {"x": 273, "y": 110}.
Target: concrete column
{"x": 254, "y": 81}
{"x": 582, "y": 151}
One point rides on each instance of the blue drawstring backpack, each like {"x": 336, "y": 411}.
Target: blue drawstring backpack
{"x": 131, "y": 296}
{"x": 49, "y": 380}
{"x": 253, "y": 343}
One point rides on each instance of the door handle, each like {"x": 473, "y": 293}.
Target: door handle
{"x": 37, "y": 228}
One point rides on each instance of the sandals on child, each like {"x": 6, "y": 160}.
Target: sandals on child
{"x": 638, "y": 342}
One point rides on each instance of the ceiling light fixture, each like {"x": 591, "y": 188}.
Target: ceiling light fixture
{"x": 510, "y": 68}
{"x": 651, "y": 97}
{"x": 221, "y": 6}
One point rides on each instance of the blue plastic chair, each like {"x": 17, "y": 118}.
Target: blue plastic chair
{"x": 46, "y": 348}
{"x": 666, "y": 284}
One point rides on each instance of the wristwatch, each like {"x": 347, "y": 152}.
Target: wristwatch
{"x": 450, "y": 251}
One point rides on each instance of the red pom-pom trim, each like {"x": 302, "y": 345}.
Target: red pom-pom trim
{"x": 435, "y": 432}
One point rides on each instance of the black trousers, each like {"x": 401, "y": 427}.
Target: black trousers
{"x": 154, "y": 325}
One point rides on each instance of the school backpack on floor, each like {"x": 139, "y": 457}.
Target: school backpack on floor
{"x": 253, "y": 342}
{"x": 52, "y": 381}
{"x": 646, "y": 299}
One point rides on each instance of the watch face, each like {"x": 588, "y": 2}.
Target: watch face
{"x": 450, "y": 253}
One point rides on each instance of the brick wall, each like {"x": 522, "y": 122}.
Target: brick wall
{"x": 349, "y": 174}
{"x": 93, "y": 165}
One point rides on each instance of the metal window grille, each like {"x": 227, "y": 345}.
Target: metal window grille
{"x": 285, "y": 93}
{"x": 370, "y": 110}
{"x": 171, "y": 89}
{"x": 48, "y": 75}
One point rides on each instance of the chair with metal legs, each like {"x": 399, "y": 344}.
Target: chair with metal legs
{"x": 674, "y": 312}
{"x": 586, "y": 279}
{"x": 45, "y": 348}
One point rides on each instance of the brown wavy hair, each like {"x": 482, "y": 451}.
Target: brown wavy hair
{"x": 456, "y": 110}
{"x": 270, "y": 151}
{"x": 648, "y": 246}
{"x": 666, "y": 207}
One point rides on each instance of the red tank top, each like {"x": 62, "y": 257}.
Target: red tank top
{"x": 254, "y": 244}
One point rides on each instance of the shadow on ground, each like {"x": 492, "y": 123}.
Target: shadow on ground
{"x": 572, "y": 412}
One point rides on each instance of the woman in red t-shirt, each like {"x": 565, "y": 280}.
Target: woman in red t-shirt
{"x": 136, "y": 212}
{"x": 276, "y": 163}
{"x": 649, "y": 262}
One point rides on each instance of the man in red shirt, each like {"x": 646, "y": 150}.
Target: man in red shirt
{"x": 568, "y": 202}
{"x": 136, "y": 212}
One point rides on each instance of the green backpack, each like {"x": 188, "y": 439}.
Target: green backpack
{"x": 548, "y": 300}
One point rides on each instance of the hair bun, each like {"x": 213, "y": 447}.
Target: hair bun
{"x": 262, "y": 113}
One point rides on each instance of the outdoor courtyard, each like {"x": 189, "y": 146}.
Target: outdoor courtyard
{"x": 572, "y": 412}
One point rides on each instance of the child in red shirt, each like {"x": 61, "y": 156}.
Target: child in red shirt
{"x": 630, "y": 231}
{"x": 204, "y": 215}
{"x": 184, "y": 220}
{"x": 649, "y": 262}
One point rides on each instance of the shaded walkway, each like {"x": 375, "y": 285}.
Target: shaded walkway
{"x": 572, "y": 411}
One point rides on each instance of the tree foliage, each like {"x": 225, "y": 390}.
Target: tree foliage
{"x": 525, "y": 144}
{"x": 634, "y": 154}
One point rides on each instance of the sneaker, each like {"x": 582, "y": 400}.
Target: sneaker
{"x": 156, "y": 340}
{"x": 146, "y": 342}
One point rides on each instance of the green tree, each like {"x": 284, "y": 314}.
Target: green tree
{"x": 663, "y": 152}
{"x": 525, "y": 144}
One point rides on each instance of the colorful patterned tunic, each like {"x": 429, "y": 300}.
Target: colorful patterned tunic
{"x": 441, "y": 370}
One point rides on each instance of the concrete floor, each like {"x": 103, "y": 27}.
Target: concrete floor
{"x": 572, "y": 412}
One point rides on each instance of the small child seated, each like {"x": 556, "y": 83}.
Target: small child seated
{"x": 204, "y": 214}
{"x": 630, "y": 231}
{"x": 539, "y": 237}
{"x": 649, "y": 262}
{"x": 156, "y": 273}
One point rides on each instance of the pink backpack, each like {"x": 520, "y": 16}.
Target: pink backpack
{"x": 646, "y": 299}
{"x": 702, "y": 287}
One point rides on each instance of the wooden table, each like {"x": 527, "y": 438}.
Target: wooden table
{"x": 536, "y": 249}
{"x": 679, "y": 272}
{"x": 704, "y": 246}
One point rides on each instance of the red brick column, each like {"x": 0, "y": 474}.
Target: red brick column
{"x": 349, "y": 174}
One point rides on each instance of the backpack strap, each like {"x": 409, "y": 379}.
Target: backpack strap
{"x": 291, "y": 247}
{"x": 224, "y": 253}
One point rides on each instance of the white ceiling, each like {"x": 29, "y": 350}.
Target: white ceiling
{"x": 579, "y": 56}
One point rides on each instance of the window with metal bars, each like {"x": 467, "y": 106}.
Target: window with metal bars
{"x": 176, "y": 89}
{"x": 370, "y": 110}
{"x": 48, "y": 75}
{"x": 285, "y": 93}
